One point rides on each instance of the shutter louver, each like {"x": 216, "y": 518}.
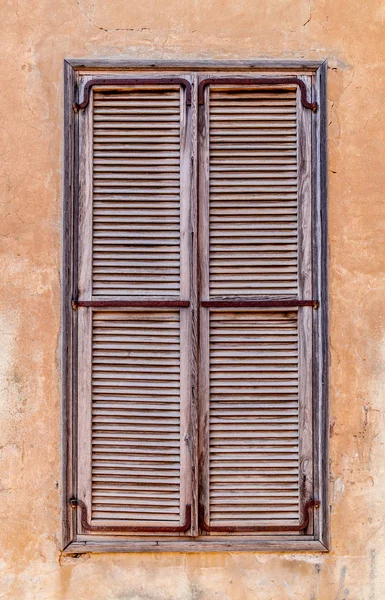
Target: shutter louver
{"x": 134, "y": 390}
{"x": 136, "y": 416}
{"x": 256, "y": 472}
{"x": 253, "y": 193}
{"x": 136, "y": 182}
{"x": 253, "y": 417}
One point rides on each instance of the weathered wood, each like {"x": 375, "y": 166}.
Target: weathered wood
{"x": 295, "y": 66}
{"x": 305, "y": 290}
{"x": 248, "y": 234}
{"x": 304, "y": 133}
{"x": 157, "y": 238}
{"x": 84, "y": 407}
{"x": 264, "y": 171}
{"x": 194, "y": 306}
{"x": 116, "y": 403}
{"x": 203, "y": 293}
{"x": 85, "y": 204}
{"x": 249, "y": 413}
{"x": 67, "y": 313}
{"x": 186, "y": 456}
{"x": 320, "y": 250}
{"x": 139, "y": 418}
{"x": 226, "y": 463}
{"x": 284, "y": 544}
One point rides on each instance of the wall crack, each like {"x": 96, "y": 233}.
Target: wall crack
{"x": 83, "y": 12}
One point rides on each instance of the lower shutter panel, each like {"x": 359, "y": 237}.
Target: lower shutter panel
{"x": 253, "y": 418}
{"x": 136, "y": 416}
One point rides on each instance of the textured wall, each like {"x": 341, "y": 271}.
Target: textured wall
{"x": 35, "y": 36}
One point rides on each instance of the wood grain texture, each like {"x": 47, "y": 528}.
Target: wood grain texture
{"x": 321, "y": 319}
{"x": 296, "y": 66}
{"x": 85, "y": 204}
{"x": 305, "y": 290}
{"x": 186, "y": 354}
{"x": 284, "y": 544}
{"x": 84, "y": 406}
{"x": 304, "y": 202}
{"x": 68, "y": 484}
{"x": 203, "y": 293}
{"x": 194, "y": 307}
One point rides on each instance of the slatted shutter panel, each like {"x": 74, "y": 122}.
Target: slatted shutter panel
{"x": 136, "y": 415}
{"x": 133, "y": 309}
{"x": 136, "y": 192}
{"x": 256, "y": 316}
{"x": 254, "y": 445}
{"x": 253, "y": 193}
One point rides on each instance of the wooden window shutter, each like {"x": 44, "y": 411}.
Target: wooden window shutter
{"x": 195, "y": 339}
{"x": 133, "y": 304}
{"x": 256, "y": 421}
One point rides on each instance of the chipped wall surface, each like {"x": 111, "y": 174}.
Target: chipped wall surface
{"x": 36, "y": 35}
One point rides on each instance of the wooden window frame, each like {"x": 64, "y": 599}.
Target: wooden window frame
{"x": 73, "y": 70}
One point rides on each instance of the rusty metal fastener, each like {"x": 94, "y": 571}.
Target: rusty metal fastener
{"x": 130, "y": 81}
{"x": 302, "y": 525}
{"x": 257, "y": 81}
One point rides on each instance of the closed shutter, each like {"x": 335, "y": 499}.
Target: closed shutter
{"x": 198, "y": 390}
{"x": 256, "y": 316}
{"x": 134, "y": 308}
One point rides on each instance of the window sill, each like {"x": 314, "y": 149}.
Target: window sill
{"x": 282, "y": 545}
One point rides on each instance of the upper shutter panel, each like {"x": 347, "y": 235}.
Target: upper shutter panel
{"x": 253, "y": 192}
{"x": 136, "y": 192}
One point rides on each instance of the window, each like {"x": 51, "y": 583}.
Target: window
{"x": 195, "y": 307}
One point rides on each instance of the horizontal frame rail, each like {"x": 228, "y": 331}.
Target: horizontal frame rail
{"x": 130, "y": 303}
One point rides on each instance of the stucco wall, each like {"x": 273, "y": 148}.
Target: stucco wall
{"x": 35, "y": 37}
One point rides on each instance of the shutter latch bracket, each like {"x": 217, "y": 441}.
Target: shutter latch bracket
{"x": 249, "y": 81}
{"x": 74, "y": 503}
{"x": 130, "y": 81}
